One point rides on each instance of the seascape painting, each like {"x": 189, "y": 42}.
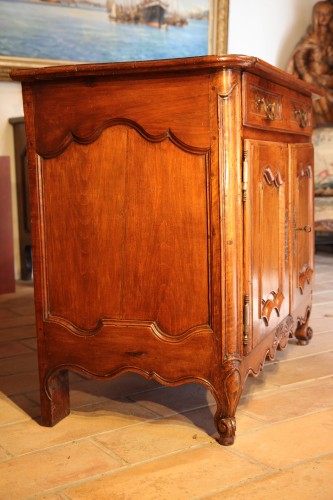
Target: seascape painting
{"x": 103, "y": 30}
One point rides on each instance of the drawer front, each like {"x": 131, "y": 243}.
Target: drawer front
{"x": 273, "y": 107}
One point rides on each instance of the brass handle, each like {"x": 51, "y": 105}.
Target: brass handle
{"x": 302, "y": 117}
{"x": 307, "y": 229}
{"x": 269, "y": 107}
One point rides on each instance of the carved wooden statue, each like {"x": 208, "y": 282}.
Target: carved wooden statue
{"x": 312, "y": 59}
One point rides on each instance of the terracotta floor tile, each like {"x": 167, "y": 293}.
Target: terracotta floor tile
{"x": 7, "y": 314}
{"x": 180, "y": 476}
{"x": 28, "y": 405}
{"x": 150, "y": 439}
{"x": 308, "y": 481}
{"x": 321, "y": 342}
{"x": 289, "y": 442}
{"x": 297, "y": 370}
{"x": 296, "y": 401}
{"x": 17, "y": 332}
{"x": 154, "y": 439}
{"x": 322, "y": 310}
{"x": 38, "y": 472}
{"x": 259, "y": 384}
{"x": 19, "y": 383}
{"x": 322, "y": 324}
{"x": 19, "y": 364}
{"x": 29, "y": 436}
{"x": 170, "y": 400}
{"x": 31, "y": 343}
{"x": 17, "y": 321}
{"x": 9, "y": 413}
{"x": 322, "y": 296}
{"x": 203, "y": 419}
{"x": 4, "y": 455}
{"x": 25, "y": 310}
{"x": 8, "y": 349}
{"x": 324, "y": 284}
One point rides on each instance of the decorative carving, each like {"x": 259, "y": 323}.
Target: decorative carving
{"x": 273, "y": 301}
{"x": 304, "y": 277}
{"x": 279, "y": 340}
{"x": 232, "y": 387}
{"x": 282, "y": 334}
{"x": 271, "y": 179}
{"x": 72, "y": 137}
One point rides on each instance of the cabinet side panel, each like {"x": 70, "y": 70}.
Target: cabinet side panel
{"x": 127, "y": 224}
{"x": 82, "y": 109}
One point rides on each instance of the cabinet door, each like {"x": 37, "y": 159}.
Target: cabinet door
{"x": 302, "y": 227}
{"x": 266, "y": 237}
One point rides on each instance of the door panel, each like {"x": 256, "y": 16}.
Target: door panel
{"x": 302, "y": 228}
{"x": 266, "y": 217}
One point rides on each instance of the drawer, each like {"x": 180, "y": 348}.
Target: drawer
{"x": 274, "y": 107}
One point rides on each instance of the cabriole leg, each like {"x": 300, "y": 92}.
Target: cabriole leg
{"x": 54, "y": 398}
{"x": 227, "y": 399}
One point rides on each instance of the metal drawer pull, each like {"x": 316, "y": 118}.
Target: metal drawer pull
{"x": 302, "y": 117}
{"x": 269, "y": 107}
{"x": 307, "y": 229}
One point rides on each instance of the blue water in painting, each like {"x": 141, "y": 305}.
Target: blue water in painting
{"x": 58, "y": 32}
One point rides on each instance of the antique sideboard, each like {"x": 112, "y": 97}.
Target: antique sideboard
{"x": 172, "y": 222}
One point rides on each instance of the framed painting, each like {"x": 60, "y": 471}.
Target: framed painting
{"x": 37, "y": 33}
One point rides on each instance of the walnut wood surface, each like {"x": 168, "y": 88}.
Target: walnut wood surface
{"x": 145, "y": 247}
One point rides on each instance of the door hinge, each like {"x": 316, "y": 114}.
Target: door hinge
{"x": 245, "y": 175}
{"x": 246, "y": 319}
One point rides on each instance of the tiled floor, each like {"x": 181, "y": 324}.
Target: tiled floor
{"x": 133, "y": 439}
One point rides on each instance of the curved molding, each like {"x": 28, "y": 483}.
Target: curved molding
{"x": 112, "y": 324}
{"x": 229, "y": 92}
{"x": 95, "y": 134}
{"x": 149, "y": 375}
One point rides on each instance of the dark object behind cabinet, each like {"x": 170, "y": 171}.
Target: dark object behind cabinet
{"x": 22, "y": 189}
{"x": 7, "y": 281}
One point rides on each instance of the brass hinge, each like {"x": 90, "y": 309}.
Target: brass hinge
{"x": 245, "y": 175}
{"x": 246, "y": 319}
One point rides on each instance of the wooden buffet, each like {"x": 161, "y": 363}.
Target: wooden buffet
{"x": 172, "y": 220}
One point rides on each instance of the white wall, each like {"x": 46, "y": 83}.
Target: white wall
{"x": 268, "y": 29}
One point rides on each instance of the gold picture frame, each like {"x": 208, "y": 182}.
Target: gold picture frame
{"x": 217, "y": 43}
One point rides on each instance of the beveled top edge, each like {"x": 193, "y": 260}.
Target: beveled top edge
{"x": 119, "y": 68}
{"x": 207, "y": 64}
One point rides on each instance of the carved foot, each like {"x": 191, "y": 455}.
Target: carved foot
{"x": 55, "y": 399}
{"x": 304, "y": 335}
{"x": 303, "y": 332}
{"x": 226, "y": 428}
